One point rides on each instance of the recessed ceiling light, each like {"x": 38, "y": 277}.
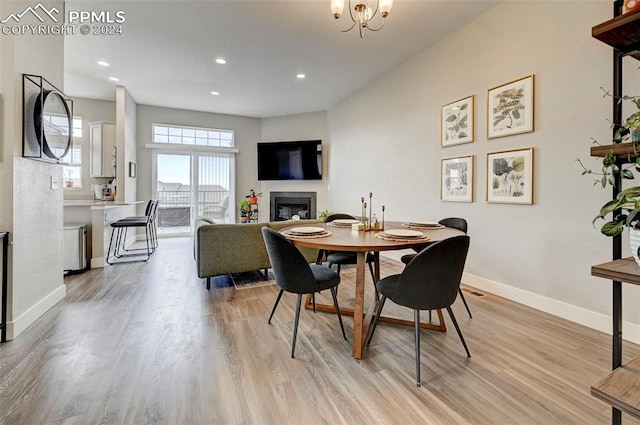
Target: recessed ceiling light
{"x": 114, "y": 79}
{"x": 301, "y": 76}
{"x": 215, "y": 93}
{"x": 221, "y": 61}
{"x": 103, "y": 63}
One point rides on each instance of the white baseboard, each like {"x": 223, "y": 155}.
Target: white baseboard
{"x": 591, "y": 319}
{"x": 15, "y": 327}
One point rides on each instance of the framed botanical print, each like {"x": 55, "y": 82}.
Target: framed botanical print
{"x": 510, "y": 108}
{"x": 510, "y": 176}
{"x": 456, "y": 122}
{"x": 456, "y": 179}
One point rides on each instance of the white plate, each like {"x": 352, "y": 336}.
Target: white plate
{"x": 307, "y": 230}
{"x": 346, "y": 221}
{"x": 425, "y": 223}
{"x": 405, "y": 233}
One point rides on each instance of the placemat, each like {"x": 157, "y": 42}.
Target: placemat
{"x": 415, "y": 226}
{"x": 320, "y": 235}
{"x": 400, "y": 239}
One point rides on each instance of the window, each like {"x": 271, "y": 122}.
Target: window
{"x": 180, "y": 135}
{"x": 73, "y": 159}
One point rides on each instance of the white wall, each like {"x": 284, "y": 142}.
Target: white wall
{"x": 310, "y": 126}
{"x": 126, "y": 124}
{"x": 30, "y": 210}
{"x": 541, "y": 254}
{"x": 91, "y": 110}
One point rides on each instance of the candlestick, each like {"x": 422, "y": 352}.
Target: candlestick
{"x": 370, "y": 209}
{"x": 362, "y": 209}
{"x": 383, "y": 217}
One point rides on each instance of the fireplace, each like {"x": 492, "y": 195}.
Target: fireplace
{"x": 284, "y": 205}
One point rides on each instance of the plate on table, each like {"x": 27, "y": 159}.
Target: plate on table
{"x": 306, "y": 231}
{"x": 425, "y": 223}
{"x": 345, "y": 221}
{"x": 404, "y": 233}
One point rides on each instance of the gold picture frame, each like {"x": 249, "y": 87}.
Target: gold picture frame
{"x": 457, "y": 122}
{"x": 456, "y": 179}
{"x": 510, "y": 176}
{"x": 510, "y": 108}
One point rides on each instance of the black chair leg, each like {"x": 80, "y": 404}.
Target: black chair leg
{"x": 373, "y": 279}
{"x": 334, "y": 293}
{"x": 295, "y": 325}
{"x": 373, "y": 325}
{"x": 208, "y": 283}
{"x": 465, "y": 302}
{"x": 455, "y": 323}
{"x": 429, "y": 315}
{"x": 274, "y": 305}
{"x": 416, "y": 319}
{"x": 313, "y": 302}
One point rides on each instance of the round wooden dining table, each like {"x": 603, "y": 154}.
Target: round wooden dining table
{"x": 361, "y": 242}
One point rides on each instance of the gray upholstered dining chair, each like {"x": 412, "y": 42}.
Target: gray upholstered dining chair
{"x": 429, "y": 282}
{"x": 340, "y": 258}
{"x": 455, "y": 223}
{"x": 294, "y": 274}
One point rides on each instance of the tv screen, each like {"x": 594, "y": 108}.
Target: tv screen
{"x": 301, "y": 160}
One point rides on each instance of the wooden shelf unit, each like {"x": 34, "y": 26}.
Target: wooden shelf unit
{"x": 620, "y": 388}
{"x": 622, "y": 33}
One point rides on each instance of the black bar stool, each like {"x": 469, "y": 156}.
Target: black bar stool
{"x": 119, "y": 232}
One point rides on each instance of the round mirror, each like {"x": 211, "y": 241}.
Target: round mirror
{"x": 53, "y": 122}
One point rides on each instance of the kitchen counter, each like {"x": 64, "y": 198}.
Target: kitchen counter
{"x": 98, "y": 216}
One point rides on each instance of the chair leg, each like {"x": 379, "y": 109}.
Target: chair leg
{"x": 295, "y": 325}
{"x": 465, "y": 302}
{"x": 416, "y": 324}
{"x": 313, "y": 302}
{"x": 275, "y": 305}
{"x": 455, "y": 323}
{"x": 429, "y": 315}
{"x": 208, "y": 283}
{"x": 373, "y": 325}
{"x": 334, "y": 294}
{"x": 373, "y": 279}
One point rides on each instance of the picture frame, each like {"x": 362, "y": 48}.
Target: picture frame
{"x": 510, "y": 176}
{"x": 457, "y": 122}
{"x": 510, "y": 108}
{"x": 132, "y": 170}
{"x": 456, "y": 179}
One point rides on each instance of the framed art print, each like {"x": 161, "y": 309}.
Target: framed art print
{"x": 456, "y": 179}
{"x": 510, "y": 176}
{"x": 510, "y": 108}
{"x": 456, "y": 122}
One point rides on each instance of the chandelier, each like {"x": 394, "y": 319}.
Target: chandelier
{"x": 361, "y": 14}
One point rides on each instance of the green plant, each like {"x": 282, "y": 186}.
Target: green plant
{"x": 625, "y": 208}
{"x": 324, "y": 214}
{"x": 244, "y": 207}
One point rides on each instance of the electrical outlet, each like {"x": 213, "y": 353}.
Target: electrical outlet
{"x": 54, "y": 183}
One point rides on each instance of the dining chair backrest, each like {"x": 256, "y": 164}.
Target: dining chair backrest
{"x": 338, "y": 216}
{"x": 432, "y": 279}
{"x": 455, "y": 223}
{"x": 290, "y": 268}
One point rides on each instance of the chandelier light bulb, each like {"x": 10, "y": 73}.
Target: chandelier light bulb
{"x": 385, "y": 7}
{"x": 337, "y": 6}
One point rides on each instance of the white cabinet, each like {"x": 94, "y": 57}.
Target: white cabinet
{"x": 102, "y": 149}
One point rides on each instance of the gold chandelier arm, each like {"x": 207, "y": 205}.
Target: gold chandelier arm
{"x": 377, "y": 29}
{"x": 345, "y": 30}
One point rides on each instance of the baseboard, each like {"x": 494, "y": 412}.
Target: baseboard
{"x": 591, "y": 319}
{"x": 15, "y": 327}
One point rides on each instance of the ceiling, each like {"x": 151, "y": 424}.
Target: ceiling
{"x": 166, "y": 54}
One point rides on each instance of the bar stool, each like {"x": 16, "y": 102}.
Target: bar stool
{"x": 119, "y": 231}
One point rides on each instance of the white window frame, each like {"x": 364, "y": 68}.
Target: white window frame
{"x": 182, "y": 135}
{"x": 73, "y": 159}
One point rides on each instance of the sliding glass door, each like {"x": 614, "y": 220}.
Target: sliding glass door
{"x": 192, "y": 184}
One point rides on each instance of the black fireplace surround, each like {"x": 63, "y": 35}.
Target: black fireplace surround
{"x": 283, "y": 205}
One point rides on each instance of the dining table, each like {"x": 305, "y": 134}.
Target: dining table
{"x": 343, "y": 238}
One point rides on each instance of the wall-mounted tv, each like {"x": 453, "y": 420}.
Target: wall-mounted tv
{"x": 300, "y": 160}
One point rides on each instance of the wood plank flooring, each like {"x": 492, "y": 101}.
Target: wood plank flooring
{"x": 146, "y": 343}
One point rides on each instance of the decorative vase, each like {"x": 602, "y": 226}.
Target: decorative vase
{"x": 244, "y": 219}
{"x": 253, "y": 200}
{"x": 634, "y": 243}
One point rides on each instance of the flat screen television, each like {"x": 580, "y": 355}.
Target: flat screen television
{"x": 300, "y": 160}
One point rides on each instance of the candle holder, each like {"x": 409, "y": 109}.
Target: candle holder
{"x": 367, "y": 216}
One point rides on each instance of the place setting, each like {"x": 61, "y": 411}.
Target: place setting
{"x": 402, "y": 235}
{"x": 343, "y": 222}
{"x": 307, "y": 232}
{"x": 428, "y": 225}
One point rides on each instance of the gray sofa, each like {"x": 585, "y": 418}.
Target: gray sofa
{"x": 222, "y": 249}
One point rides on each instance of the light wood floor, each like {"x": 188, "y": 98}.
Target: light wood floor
{"x": 147, "y": 343}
